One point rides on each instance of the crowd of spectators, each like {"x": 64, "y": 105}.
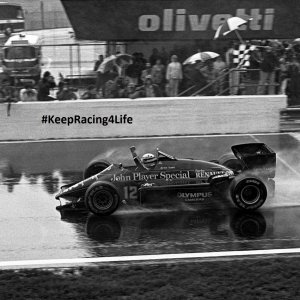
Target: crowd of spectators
{"x": 274, "y": 67}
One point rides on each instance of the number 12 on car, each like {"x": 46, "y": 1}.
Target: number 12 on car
{"x": 130, "y": 192}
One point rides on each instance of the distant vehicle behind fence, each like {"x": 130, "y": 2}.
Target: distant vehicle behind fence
{"x": 11, "y": 19}
{"x": 22, "y": 57}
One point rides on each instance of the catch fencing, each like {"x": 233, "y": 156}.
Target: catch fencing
{"x": 75, "y": 61}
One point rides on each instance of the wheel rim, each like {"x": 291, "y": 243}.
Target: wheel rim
{"x": 250, "y": 194}
{"x": 103, "y": 200}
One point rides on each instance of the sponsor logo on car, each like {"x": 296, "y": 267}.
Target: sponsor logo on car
{"x": 138, "y": 176}
{"x": 169, "y": 175}
{"x": 207, "y": 173}
{"x": 194, "y": 197}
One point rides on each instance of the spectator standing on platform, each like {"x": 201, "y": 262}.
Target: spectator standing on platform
{"x": 65, "y": 92}
{"x": 158, "y": 74}
{"x": 90, "y": 93}
{"x": 207, "y": 71}
{"x": 130, "y": 91}
{"x": 174, "y": 75}
{"x": 164, "y": 56}
{"x": 100, "y": 78}
{"x": 234, "y": 75}
{"x": 7, "y": 92}
{"x": 293, "y": 86}
{"x": 120, "y": 86}
{"x": 255, "y": 60}
{"x": 146, "y": 72}
{"x": 45, "y": 84}
{"x": 28, "y": 93}
{"x": 148, "y": 89}
{"x": 283, "y": 66}
{"x": 219, "y": 67}
{"x": 98, "y": 62}
{"x": 154, "y": 56}
{"x": 267, "y": 72}
{"x": 133, "y": 71}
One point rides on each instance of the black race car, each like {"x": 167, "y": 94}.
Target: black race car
{"x": 245, "y": 178}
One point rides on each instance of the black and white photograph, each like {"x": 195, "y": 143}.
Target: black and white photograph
{"x": 150, "y": 149}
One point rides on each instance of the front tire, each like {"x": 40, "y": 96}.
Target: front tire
{"x": 101, "y": 200}
{"x": 248, "y": 193}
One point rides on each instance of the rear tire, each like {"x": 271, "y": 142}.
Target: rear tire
{"x": 94, "y": 168}
{"x": 101, "y": 199}
{"x": 230, "y": 161}
{"x": 248, "y": 192}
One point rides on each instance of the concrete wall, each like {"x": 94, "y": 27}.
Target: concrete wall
{"x": 151, "y": 117}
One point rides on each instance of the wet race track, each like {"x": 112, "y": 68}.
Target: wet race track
{"x": 32, "y": 172}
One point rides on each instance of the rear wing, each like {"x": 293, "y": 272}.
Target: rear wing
{"x": 257, "y": 157}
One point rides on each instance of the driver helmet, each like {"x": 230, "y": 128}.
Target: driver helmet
{"x": 149, "y": 160}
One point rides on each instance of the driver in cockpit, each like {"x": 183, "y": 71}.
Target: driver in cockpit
{"x": 149, "y": 160}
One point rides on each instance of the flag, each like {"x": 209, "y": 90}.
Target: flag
{"x": 241, "y": 55}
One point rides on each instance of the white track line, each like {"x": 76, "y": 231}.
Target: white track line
{"x": 78, "y": 261}
{"x": 144, "y": 138}
{"x": 281, "y": 160}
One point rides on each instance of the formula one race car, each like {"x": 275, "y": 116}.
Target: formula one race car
{"x": 244, "y": 178}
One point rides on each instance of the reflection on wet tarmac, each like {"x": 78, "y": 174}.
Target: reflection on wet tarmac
{"x": 185, "y": 231}
{"x": 165, "y": 225}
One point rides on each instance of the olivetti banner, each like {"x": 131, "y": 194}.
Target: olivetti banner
{"x": 180, "y": 19}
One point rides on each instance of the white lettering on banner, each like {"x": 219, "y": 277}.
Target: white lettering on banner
{"x": 197, "y": 25}
{"x": 149, "y": 23}
{"x": 178, "y": 20}
{"x": 168, "y": 20}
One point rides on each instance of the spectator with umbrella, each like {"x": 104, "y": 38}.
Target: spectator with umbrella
{"x": 114, "y": 66}
{"x": 199, "y": 71}
{"x": 232, "y": 25}
{"x": 99, "y": 80}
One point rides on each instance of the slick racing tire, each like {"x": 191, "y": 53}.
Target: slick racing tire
{"x": 94, "y": 168}
{"x": 230, "y": 161}
{"x": 248, "y": 192}
{"x": 101, "y": 200}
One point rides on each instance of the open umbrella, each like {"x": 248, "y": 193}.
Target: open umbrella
{"x": 107, "y": 64}
{"x": 201, "y": 56}
{"x": 231, "y": 24}
{"x": 123, "y": 59}
{"x": 119, "y": 60}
